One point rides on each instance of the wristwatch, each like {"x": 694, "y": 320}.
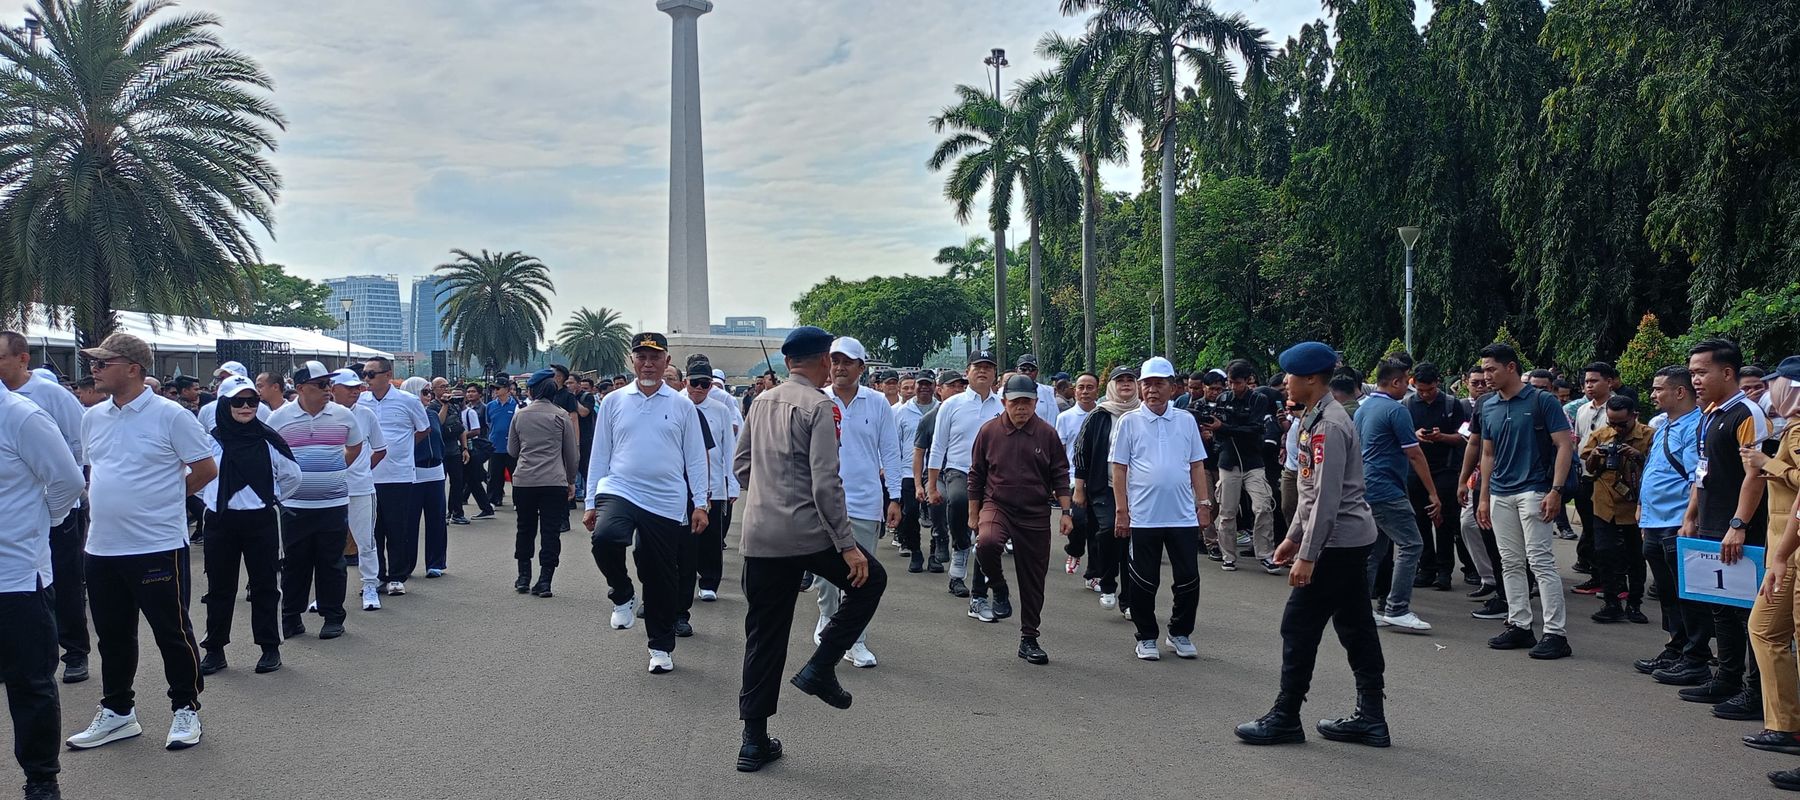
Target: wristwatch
{"x": 1737, "y": 524}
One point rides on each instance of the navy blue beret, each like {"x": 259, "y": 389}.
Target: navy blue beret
{"x": 806, "y": 340}
{"x": 1308, "y": 358}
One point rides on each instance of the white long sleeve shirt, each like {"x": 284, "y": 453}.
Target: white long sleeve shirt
{"x": 953, "y": 441}
{"x": 868, "y": 451}
{"x": 907, "y": 417}
{"x": 1047, "y": 409}
{"x": 39, "y": 483}
{"x": 1068, "y": 429}
{"x": 721, "y": 481}
{"x": 64, "y": 410}
{"x": 287, "y": 482}
{"x": 649, "y": 451}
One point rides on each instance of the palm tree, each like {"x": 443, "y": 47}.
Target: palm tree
{"x": 984, "y": 155}
{"x": 595, "y": 340}
{"x": 494, "y": 304}
{"x": 132, "y": 163}
{"x": 1046, "y": 176}
{"x": 965, "y": 262}
{"x": 1130, "y": 49}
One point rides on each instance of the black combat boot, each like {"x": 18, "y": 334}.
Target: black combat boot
{"x": 542, "y": 588}
{"x": 1367, "y": 726}
{"x": 523, "y": 583}
{"x": 1280, "y": 726}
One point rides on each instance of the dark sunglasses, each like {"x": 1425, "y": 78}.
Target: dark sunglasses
{"x": 701, "y": 383}
{"x": 373, "y": 372}
{"x": 244, "y": 402}
{"x": 322, "y": 384}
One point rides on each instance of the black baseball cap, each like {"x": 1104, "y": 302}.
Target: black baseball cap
{"x": 950, "y": 376}
{"x": 1027, "y": 360}
{"x": 1121, "y": 371}
{"x": 926, "y": 376}
{"x": 700, "y": 369}
{"x": 650, "y": 341}
{"x": 980, "y": 356}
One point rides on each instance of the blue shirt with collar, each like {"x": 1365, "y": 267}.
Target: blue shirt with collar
{"x": 1385, "y": 428}
{"x": 499, "y": 419}
{"x": 1663, "y": 489}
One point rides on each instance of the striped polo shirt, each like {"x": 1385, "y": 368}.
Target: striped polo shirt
{"x": 318, "y": 441}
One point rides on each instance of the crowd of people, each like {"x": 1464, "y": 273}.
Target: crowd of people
{"x": 1359, "y": 490}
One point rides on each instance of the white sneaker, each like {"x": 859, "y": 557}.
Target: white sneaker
{"x": 1109, "y": 600}
{"x": 184, "y": 730}
{"x": 1408, "y": 622}
{"x": 1093, "y": 585}
{"x": 625, "y": 616}
{"x": 1146, "y": 650}
{"x": 660, "y": 662}
{"x": 397, "y": 588}
{"x": 312, "y": 607}
{"x": 1183, "y": 646}
{"x": 1380, "y": 621}
{"x": 371, "y": 599}
{"x": 860, "y": 656}
{"x": 107, "y": 727}
{"x": 708, "y": 595}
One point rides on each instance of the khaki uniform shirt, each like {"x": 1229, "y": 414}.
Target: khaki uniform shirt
{"x": 1331, "y": 511}
{"x": 787, "y": 464}
{"x": 544, "y": 441}
{"x": 1616, "y": 490}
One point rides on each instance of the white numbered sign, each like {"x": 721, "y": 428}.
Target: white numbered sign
{"x": 1707, "y": 579}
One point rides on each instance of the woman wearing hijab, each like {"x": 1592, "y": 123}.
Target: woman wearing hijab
{"x": 1093, "y": 489}
{"x": 1772, "y": 620}
{"x": 256, "y": 472}
{"x": 428, "y": 481}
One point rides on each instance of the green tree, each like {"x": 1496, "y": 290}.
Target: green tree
{"x": 1647, "y": 352}
{"x": 899, "y": 319}
{"x": 494, "y": 304}
{"x": 1047, "y": 178}
{"x": 1124, "y": 41}
{"x": 277, "y": 298}
{"x": 980, "y": 152}
{"x": 595, "y": 340}
{"x": 133, "y": 159}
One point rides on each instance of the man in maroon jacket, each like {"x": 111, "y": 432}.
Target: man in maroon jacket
{"x": 1018, "y": 466}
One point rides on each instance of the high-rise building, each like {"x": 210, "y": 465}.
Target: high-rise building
{"x": 423, "y": 327}
{"x": 375, "y": 318}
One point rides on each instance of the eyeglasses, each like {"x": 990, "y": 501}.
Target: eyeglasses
{"x": 322, "y": 384}
{"x": 373, "y": 372}
{"x": 244, "y": 402}
{"x": 701, "y": 383}
{"x": 96, "y": 366}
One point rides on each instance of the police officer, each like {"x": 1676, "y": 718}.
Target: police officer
{"x": 796, "y": 521}
{"x": 1328, "y": 546}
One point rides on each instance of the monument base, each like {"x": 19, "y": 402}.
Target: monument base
{"x": 740, "y": 356}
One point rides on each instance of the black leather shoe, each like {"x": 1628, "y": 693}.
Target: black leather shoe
{"x": 823, "y": 684}
{"x": 75, "y": 672}
{"x": 1482, "y": 590}
{"x": 212, "y": 662}
{"x": 522, "y": 584}
{"x": 1513, "y": 638}
{"x": 542, "y": 588}
{"x": 1279, "y": 726}
{"x": 1002, "y": 607}
{"x": 1712, "y": 692}
{"x": 1582, "y": 568}
{"x": 1554, "y": 646}
{"x": 1356, "y": 729}
{"x": 683, "y": 628}
{"x": 1745, "y": 705}
{"x": 1663, "y": 660}
{"x": 958, "y": 588}
{"x": 290, "y": 631}
{"x": 1608, "y": 615}
{"x": 1774, "y": 742}
{"x": 270, "y": 661}
{"x": 1636, "y": 615}
{"x": 917, "y": 564}
{"x": 1788, "y": 779}
{"x": 1682, "y": 674}
{"x": 1422, "y": 581}
{"x": 332, "y": 630}
{"x": 43, "y": 790}
{"x": 1443, "y": 584}
{"x": 934, "y": 565}
{"x": 753, "y": 756}
{"x": 1030, "y": 651}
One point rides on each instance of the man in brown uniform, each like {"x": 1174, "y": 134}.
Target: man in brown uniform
{"x": 795, "y": 522}
{"x": 1018, "y": 465}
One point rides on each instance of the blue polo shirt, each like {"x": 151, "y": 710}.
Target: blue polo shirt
{"x": 1520, "y": 428}
{"x": 1385, "y": 428}
{"x": 1663, "y": 490}
{"x": 499, "y": 421}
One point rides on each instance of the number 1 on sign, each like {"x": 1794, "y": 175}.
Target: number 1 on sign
{"x": 1719, "y": 575}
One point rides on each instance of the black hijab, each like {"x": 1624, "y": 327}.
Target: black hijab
{"x": 246, "y": 455}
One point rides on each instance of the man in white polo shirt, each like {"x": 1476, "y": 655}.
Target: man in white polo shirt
{"x": 868, "y": 462}
{"x": 346, "y": 387}
{"x": 1159, "y": 483}
{"x": 39, "y": 485}
{"x": 68, "y": 537}
{"x": 147, "y": 455}
{"x": 947, "y": 467}
{"x": 647, "y": 480}
{"x": 401, "y": 418}
{"x": 326, "y": 438}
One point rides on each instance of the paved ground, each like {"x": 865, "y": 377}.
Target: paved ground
{"x": 463, "y": 689}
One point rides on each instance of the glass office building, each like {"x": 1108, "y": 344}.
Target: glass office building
{"x": 375, "y": 317}
{"x": 423, "y": 332}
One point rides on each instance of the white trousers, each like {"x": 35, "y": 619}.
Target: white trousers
{"x": 362, "y": 529}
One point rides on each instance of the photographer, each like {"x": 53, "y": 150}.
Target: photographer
{"x": 1204, "y": 405}
{"x": 1241, "y": 422}
{"x": 1614, "y": 456}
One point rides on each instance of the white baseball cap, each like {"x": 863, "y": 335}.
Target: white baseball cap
{"x": 231, "y": 368}
{"x": 310, "y": 371}
{"x": 1157, "y": 367}
{"x": 850, "y": 348}
{"x": 231, "y": 386}
{"x": 346, "y": 377}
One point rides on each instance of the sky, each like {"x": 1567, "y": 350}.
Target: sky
{"x": 541, "y": 126}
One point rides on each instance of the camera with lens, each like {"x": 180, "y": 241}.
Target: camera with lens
{"x": 1614, "y": 453}
{"x": 1208, "y": 412}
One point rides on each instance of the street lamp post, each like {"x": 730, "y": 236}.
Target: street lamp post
{"x": 345, "y": 303}
{"x": 997, "y": 59}
{"x": 1409, "y": 235}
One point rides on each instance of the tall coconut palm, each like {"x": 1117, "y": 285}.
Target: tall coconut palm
{"x": 1046, "y": 176}
{"x": 1125, "y": 40}
{"x": 493, "y": 305}
{"x": 595, "y": 340}
{"x": 132, "y": 163}
{"x": 984, "y": 155}
{"x": 965, "y": 262}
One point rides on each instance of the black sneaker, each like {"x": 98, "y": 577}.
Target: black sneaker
{"x": 332, "y": 630}
{"x": 1590, "y": 586}
{"x": 1214, "y": 553}
{"x": 270, "y": 661}
{"x": 213, "y": 661}
{"x": 1485, "y": 590}
{"x": 1494, "y": 608}
{"x": 1443, "y": 584}
{"x": 683, "y": 628}
{"x": 1554, "y": 646}
{"x": 1608, "y": 615}
{"x": 459, "y": 520}
{"x": 1774, "y": 742}
{"x": 1471, "y": 577}
{"x": 1583, "y": 568}
{"x": 754, "y": 755}
{"x": 43, "y": 790}
{"x": 1002, "y": 606}
{"x": 1683, "y": 673}
{"x": 918, "y": 562}
{"x": 290, "y": 631}
{"x": 1788, "y": 779}
{"x": 488, "y": 514}
{"x": 934, "y": 565}
{"x": 1745, "y": 705}
{"x": 1422, "y": 581}
{"x": 958, "y": 588}
{"x": 75, "y": 671}
{"x": 1712, "y": 692}
{"x": 1031, "y": 652}
{"x": 1513, "y": 638}
{"x": 1663, "y": 660}
{"x": 1636, "y": 615}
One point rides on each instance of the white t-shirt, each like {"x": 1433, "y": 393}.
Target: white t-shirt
{"x": 360, "y": 478}
{"x": 137, "y": 487}
{"x": 1068, "y": 429}
{"x": 399, "y": 415}
{"x": 1158, "y": 452}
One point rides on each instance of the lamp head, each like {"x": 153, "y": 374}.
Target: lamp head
{"x": 1409, "y": 234}
{"x": 345, "y": 303}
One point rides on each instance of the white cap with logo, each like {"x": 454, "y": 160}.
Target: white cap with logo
{"x": 1157, "y": 367}
{"x": 849, "y": 347}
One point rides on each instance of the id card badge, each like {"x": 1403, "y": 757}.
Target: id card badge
{"x": 1700, "y": 469}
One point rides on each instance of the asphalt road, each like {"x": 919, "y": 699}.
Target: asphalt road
{"x": 464, "y": 689}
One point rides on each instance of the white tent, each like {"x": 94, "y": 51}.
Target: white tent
{"x": 187, "y": 345}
